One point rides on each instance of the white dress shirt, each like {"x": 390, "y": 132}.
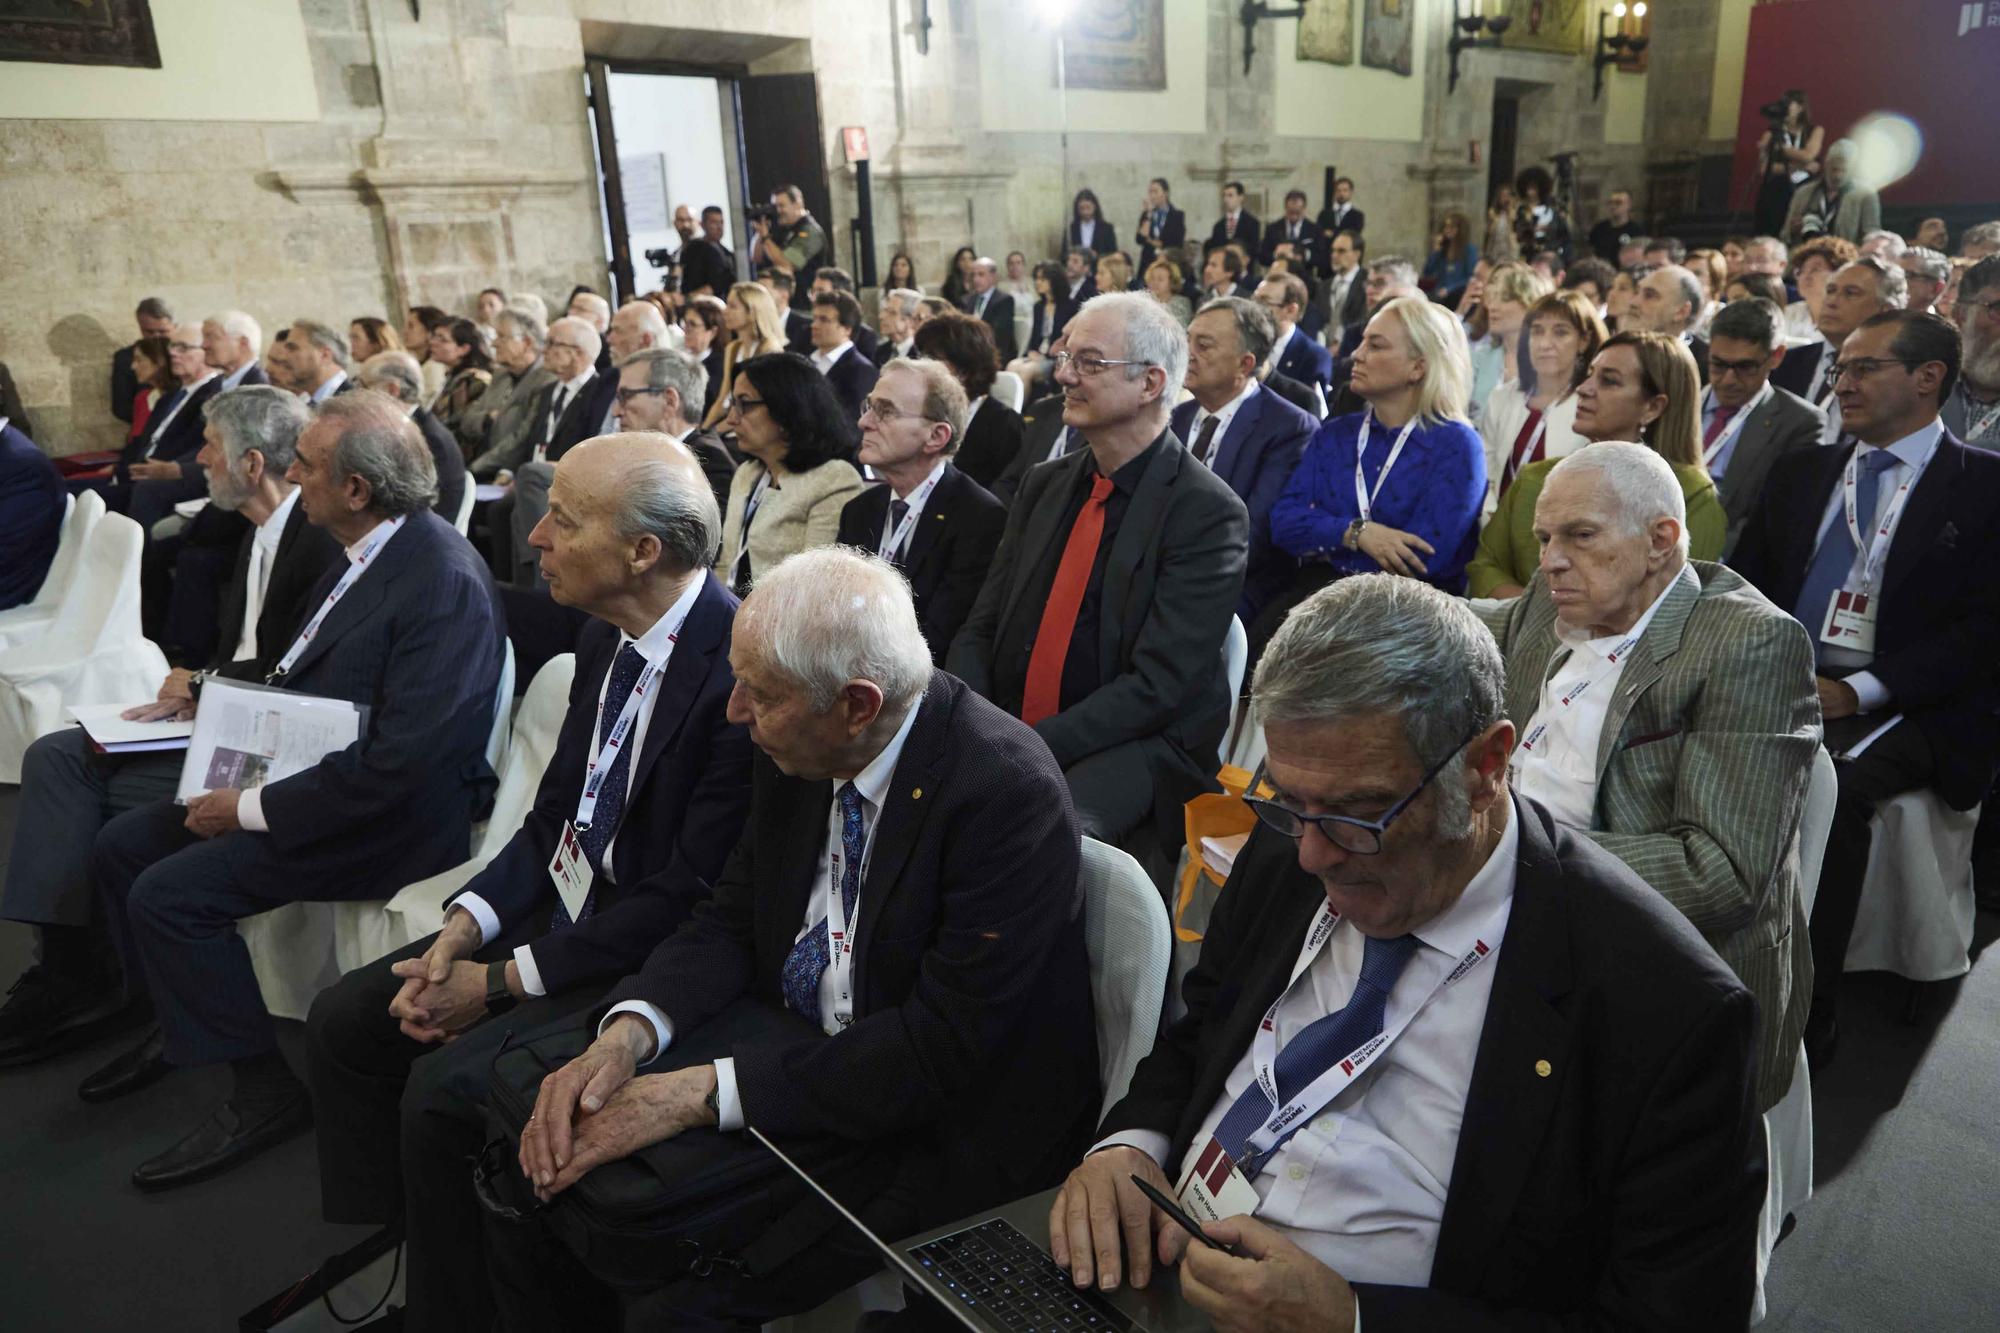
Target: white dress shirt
{"x": 328, "y": 389}
{"x": 1086, "y": 233}
{"x": 873, "y": 784}
{"x": 916, "y": 500}
{"x": 1361, "y": 1187}
{"x": 234, "y": 379}
{"x": 257, "y": 576}
{"x": 559, "y": 401}
{"x": 1561, "y": 770}
{"x": 825, "y": 361}
{"x": 656, "y": 645}
{"x": 1223, "y": 416}
{"x": 188, "y": 391}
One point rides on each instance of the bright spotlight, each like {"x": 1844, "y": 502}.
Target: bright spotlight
{"x": 1887, "y": 147}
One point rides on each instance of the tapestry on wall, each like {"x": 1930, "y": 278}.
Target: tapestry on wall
{"x": 79, "y": 32}
{"x": 1117, "y": 45}
{"x": 1562, "y": 26}
{"x": 1386, "y": 30}
{"x": 1326, "y": 31}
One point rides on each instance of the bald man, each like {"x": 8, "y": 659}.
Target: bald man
{"x": 560, "y": 914}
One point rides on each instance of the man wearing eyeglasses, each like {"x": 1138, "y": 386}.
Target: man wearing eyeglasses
{"x": 662, "y": 389}
{"x": 1445, "y": 1064}
{"x": 1972, "y": 412}
{"x": 1747, "y": 422}
{"x": 1865, "y": 287}
{"x": 1888, "y": 552}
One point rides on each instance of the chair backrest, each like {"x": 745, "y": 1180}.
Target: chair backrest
{"x": 503, "y": 711}
{"x": 535, "y": 729}
{"x": 80, "y": 515}
{"x": 1815, "y": 822}
{"x": 1235, "y": 661}
{"x": 1131, "y": 950}
{"x": 101, "y": 608}
{"x": 1008, "y": 390}
{"x": 464, "y": 520}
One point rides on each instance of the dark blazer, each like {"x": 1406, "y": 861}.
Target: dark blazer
{"x": 1356, "y": 221}
{"x": 450, "y": 462}
{"x": 1939, "y": 621}
{"x": 706, "y": 263}
{"x": 948, "y": 555}
{"x": 305, "y": 553}
{"x": 1171, "y": 583}
{"x": 176, "y": 441}
{"x": 1103, "y": 240}
{"x": 1256, "y": 457}
{"x": 124, "y": 384}
{"x": 999, "y": 317}
{"x": 1039, "y": 428}
{"x": 798, "y": 332}
{"x": 1610, "y": 1166}
{"x": 31, "y": 517}
{"x": 867, "y": 341}
{"x": 685, "y": 802}
{"x": 712, "y": 363}
{"x": 1306, "y": 361}
{"x": 1353, "y": 312}
{"x": 576, "y": 422}
{"x": 1795, "y": 373}
{"x": 1249, "y": 234}
{"x": 11, "y": 406}
{"x": 1045, "y": 321}
{"x": 992, "y": 440}
{"x": 1067, "y": 305}
{"x": 972, "y": 1050}
{"x": 850, "y": 379}
{"x": 1308, "y": 243}
{"x": 1298, "y": 395}
{"x": 417, "y": 640}
{"x": 716, "y": 464}
{"x": 1173, "y": 235}
{"x": 1785, "y": 424}
{"x": 1698, "y": 348}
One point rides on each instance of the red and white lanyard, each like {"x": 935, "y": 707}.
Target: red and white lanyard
{"x": 1613, "y": 660}
{"x": 896, "y": 541}
{"x": 628, "y": 717}
{"x": 370, "y": 548}
{"x": 1735, "y": 426}
{"x": 1875, "y": 550}
{"x": 1525, "y": 453}
{"x": 1363, "y": 497}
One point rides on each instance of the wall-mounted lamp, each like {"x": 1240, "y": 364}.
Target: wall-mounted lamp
{"x": 1251, "y": 12}
{"x": 1617, "y": 47}
{"x": 1467, "y": 37}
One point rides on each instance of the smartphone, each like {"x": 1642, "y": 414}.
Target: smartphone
{"x": 1177, "y": 1213}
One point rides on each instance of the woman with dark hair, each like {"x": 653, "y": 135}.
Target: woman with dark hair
{"x": 1088, "y": 226}
{"x": 958, "y": 282}
{"x": 902, "y": 273}
{"x": 1539, "y": 221}
{"x": 1032, "y": 365}
{"x": 799, "y": 470}
{"x": 1533, "y": 416}
{"x": 992, "y": 430}
{"x": 368, "y": 336}
{"x": 1790, "y": 152}
{"x": 701, "y": 334}
{"x": 418, "y": 323}
{"x": 459, "y": 347}
{"x": 1500, "y": 244}
{"x": 151, "y": 367}
{"x": 1451, "y": 261}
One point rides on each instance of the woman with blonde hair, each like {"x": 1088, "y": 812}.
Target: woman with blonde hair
{"x": 1712, "y": 270}
{"x": 1114, "y": 273}
{"x": 1533, "y": 417}
{"x": 1163, "y": 284}
{"x": 1641, "y": 387}
{"x": 755, "y": 328}
{"x": 1496, "y": 326}
{"x": 368, "y": 336}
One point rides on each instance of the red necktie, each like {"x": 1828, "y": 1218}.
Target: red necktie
{"x": 1717, "y": 426}
{"x": 1043, "y": 695}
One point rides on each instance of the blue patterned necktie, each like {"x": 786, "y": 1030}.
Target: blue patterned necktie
{"x": 1834, "y": 559}
{"x": 1316, "y": 1049}
{"x": 898, "y": 509}
{"x": 625, "y": 670}
{"x": 809, "y": 957}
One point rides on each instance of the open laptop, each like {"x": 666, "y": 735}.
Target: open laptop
{"x": 986, "y": 1274}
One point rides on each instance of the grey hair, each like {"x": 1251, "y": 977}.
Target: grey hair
{"x": 239, "y": 324}
{"x": 1891, "y": 283}
{"x": 531, "y": 304}
{"x": 651, "y": 322}
{"x": 668, "y": 368}
{"x": 1930, "y": 263}
{"x": 985, "y": 261}
{"x": 1986, "y": 233}
{"x": 905, "y": 300}
{"x": 1153, "y": 337}
{"x": 1843, "y": 150}
{"x": 1897, "y": 245}
{"x": 587, "y": 336}
{"x": 832, "y": 614}
{"x": 674, "y": 504}
{"x": 325, "y": 337}
{"x": 260, "y": 417}
{"x": 397, "y": 368}
{"x": 944, "y": 396}
{"x": 1395, "y": 268}
{"x": 1643, "y": 482}
{"x": 1255, "y": 329}
{"x": 1769, "y": 245}
{"x": 1690, "y": 287}
{"x": 524, "y": 323}
{"x": 599, "y": 308}
{"x": 1374, "y": 645}
{"x": 381, "y": 445}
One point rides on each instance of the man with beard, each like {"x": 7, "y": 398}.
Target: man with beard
{"x": 1972, "y": 412}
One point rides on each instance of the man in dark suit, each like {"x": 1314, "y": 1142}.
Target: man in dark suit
{"x": 1103, "y": 620}
{"x": 706, "y": 264}
{"x": 798, "y": 323}
{"x": 1162, "y": 228}
{"x": 1237, "y": 225}
{"x": 1855, "y": 292}
{"x": 927, "y": 518}
{"x": 402, "y": 1048}
{"x": 397, "y": 375}
{"x": 408, "y": 628}
{"x": 661, "y": 389}
{"x": 1342, "y": 215}
{"x": 31, "y": 516}
{"x": 172, "y": 434}
{"x": 987, "y": 302}
{"x": 1517, "y": 1083}
{"x": 1242, "y": 432}
{"x": 566, "y": 412}
{"x": 1346, "y": 286}
{"x": 1294, "y": 227}
{"x": 1669, "y": 301}
{"x": 1080, "y": 277}
{"x": 950, "y": 1050}
{"x": 1294, "y": 353}
{"x": 156, "y": 320}
{"x": 1747, "y": 422}
{"x": 830, "y": 279}
{"x": 1904, "y": 624}
{"x": 68, "y": 793}
{"x": 1045, "y": 437}
{"x": 848, "y": 373}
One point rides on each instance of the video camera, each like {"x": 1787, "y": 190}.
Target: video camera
{"x": 756, "y": 213}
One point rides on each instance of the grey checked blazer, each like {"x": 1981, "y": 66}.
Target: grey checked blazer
{"x": 1701, "y": 776}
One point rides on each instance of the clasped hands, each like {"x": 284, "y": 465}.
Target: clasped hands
{"x": 444, "y": 991}
{"x": 1275, "y": 1286}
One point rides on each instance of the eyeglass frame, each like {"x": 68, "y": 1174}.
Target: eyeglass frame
{"x": 1838, "y": 369}
{"x": 1375, "y": 827}
{"x": 1961, "y": 308}
{"x": 1098, "y": 364}
{"x": 626, "y": 395}
{"x": 895, "y": 414}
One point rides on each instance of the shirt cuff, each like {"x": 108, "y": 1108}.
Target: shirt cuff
{"x": 531, "y": 976}
{"x": 728, "y": 1105}
{"x": 482, "y": 912}
{"x": 1148, "y": 1141}
{"x": 250, "y": 811}
{"x": 1869, "y": 690}
{"x": 663, "y": 1028}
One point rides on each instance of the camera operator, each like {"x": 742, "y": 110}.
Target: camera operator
{"x": 789, "y": 240}
{"x": 1834, "y": 205}
{"x": 1789, "y": 147}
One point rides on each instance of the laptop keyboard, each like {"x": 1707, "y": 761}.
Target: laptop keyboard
{"x": 1007, "y": 1279}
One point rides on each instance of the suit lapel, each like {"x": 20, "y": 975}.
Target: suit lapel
{"x": 1137, "y": 532}
{"x": 1923, "y": 517}
{"x": 359, "y": 601}
{"x": 911, "y": 795}
{"x": 1236, "y": 439}
{"x": 1042, "y": 531}
{"x": 932, "y": 523}
{"x": 708, "y": 619}
{"x": 1648, "y": 662}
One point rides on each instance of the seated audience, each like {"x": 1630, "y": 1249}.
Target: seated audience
{"x": 1620, "y": 298}
{"x": 1926, "y": 272}
{"x": 564, "y": 414}
{"x": 1293, "y": 353}
{"x": 1555, "y": 1126}
{"x": 1711, "y": 270}
{"x": 229, "y": 343}
{"x": 1044, "y": 327}
{"x": 491, "y": 301}
{"x": 460, "y": 349}
{"x": 1670, "y": 301}
{"x": 1496, "y": 328}
{"x": 1044, "y": 438}
{"x": 150, "y": 365}
{"x": 986, "y": 302}
{"x": 992, "y": 432}
{"x": 1162, "y": 228}
{"x": 1662, "y": 251}
{"x": 1834, "y": 204}
{"x": 898, "y": 304}
{"x": 506, "y": 422}
{"x": 595, "y": 311}
{"x": 1533, "y": 417}
{"x": 798, "y": 474}
{"x": 1695, "y": 774}
{"x": 1812, "y": 265}
{"x": 1884, "y": 245}
{"x": 930, "y": 520}
{"x": 930, "y": 308}
{"x": 959, "y": 1022}
{"x": 1163, "y": 284}
{"x": 1932, "y": 234}
{"x": 399, "y": 1052}
{"x": 1237, "y": 225}
{"x": 1292, "y": 229}
{"x": 958, "y": 277}
{"x": 1972, "y": 410}
{"x": 1103, "y": 620}
{"x": 1449, "y": 265}
{"x": 1593, "y": 277}
{"x": 1243, "y": 432}
{"x": 1758, "y": 287}
{"x": 31, "y": 515}
{"x": 755, "y": 328}
{"x": 1015, "y": 281}
{"x": 396, "y": 375}
{"x": 1900, "y": 617}
{"x": 901, "y": 274}
{"x": 156, "y": 320}
{"x": 1346, "y": 295}
{"x": 1641, "y": 387}
{"x": 659, "y": 393}
{"x": 419, "y": 322}
{"x": 1221, "y": 273}
{"x": 1088, "y": 228}
{"x": 1747, "y": 422}
{"x": 1980, "y": 241}
{"x": 797, "y": 323}
{"x": 848, "y": 373}
{"x": 147, "y": 479}
{"x": 831, "y": 279}
{"x": 1112, "y": 273}
{"x": 1862, "y": 289}
{"x": 369, "y": 336}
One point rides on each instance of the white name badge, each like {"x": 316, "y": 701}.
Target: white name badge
{"x": 570, "y": 869}
{"x": 1850, "y": 621}
{"x": 1214, "y": 1189}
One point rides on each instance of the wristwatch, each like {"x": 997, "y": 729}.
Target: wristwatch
{"x": 714, "y": 1103}
{"x": 1352, "y": 538}
{"x": 498, "y": 998}
{"x": 195, "y": 682}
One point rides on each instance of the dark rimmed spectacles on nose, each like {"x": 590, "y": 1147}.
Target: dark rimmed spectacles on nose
{"x": 1363, "y": 837}
{"x": 627, "y": 395}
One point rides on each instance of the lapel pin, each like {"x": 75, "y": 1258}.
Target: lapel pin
{"x": 1543, "y": 1068}
{"x": 917, "y": 795}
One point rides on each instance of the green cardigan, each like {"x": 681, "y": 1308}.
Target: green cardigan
{"x": 1509, "y": 553}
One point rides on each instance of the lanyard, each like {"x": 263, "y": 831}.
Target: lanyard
{"x": 839, "y": 937}
{"x": 1735, "y": 426}
{"x": 1286, "y": 1120}
{"x": 1876, "y": 550}
{"x": 1975, "y": 426}
{"x": 1613, "y": 660}
{"x": 1362, "y": 495}
{"x": 1524, "y": 452}
{"x": 894, "y": 541}
{"x": 750, "y": 504}
{"x": 369, "y": 550}
{"x": 628, "y": 716}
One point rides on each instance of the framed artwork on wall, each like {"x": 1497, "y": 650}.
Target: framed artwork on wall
{"x": 1326, "y": 32}
{"x": 1561, "y": 26}
{"x": 1386, "y": 33}
{"x": 1117, "y": 46}
{"x": 79, "y": 32}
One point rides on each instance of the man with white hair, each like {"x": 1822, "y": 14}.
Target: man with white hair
{"x": 1103, "y": 620}
{"x": 595, "y": 311}
{"x": 229, "y": 344}
{"x": 397, "y": 375}
{"x": 1666, "y": 708}
{"x": 1884, "y": 245}
{"x": 507, "y": 411}
{"x": 1765, "y": 254}
{"x": 1927, "y": 273}
{"x": 1980, "y": 241}
{"x": 148, "y": 478}
{"x": 1669, "y": 301}
{"x": 662, "y": 390}
{"x": 1856, "y": 292}
{"x": 893, "y": 958}
{"x": 1972, "y": 411}
{"x": 996, "y": 307}
{"x": 900, "y": 316}
{"x": 1834, "y": 205}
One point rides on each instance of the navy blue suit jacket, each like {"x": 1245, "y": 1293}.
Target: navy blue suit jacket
{"x": 31, "y": 517}
{"x": 417, "y": 640}
{"x": 850, "y": 379}
{"x": 1256, "y": 458}
{"x": 685, "y": 803}
{"x": 1307, "y": 362}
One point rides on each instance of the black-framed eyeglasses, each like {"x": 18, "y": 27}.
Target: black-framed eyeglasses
{"x": 627, "y": 395}
{"x": 1363, "y": 837}
{"x": 742, "y": 406}
{"x": 1964, "y": 310}
{"x": 1718, "y": 366}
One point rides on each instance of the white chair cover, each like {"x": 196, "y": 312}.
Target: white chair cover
{"x": 300, "y": 949}
{"x": 1235, "y": 661}
{"x": 503, "y": 713}
{"x": 1008, "y": 390}
{"x": 463, "y": 520}
{"x": 1916, "y": 908}
{"x": 1130, "y": 945}
{"x": 90, "y": 651}
{"x": 80, "y": 516}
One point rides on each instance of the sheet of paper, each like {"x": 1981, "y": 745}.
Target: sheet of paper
{"x": 107, "y": 728}
{"x": 246, "y": 737}
{"x": 1219, "y": 854}
{"x": 488, "y": 492}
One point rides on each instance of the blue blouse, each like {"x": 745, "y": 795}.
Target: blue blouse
{"x": 1435, "y": 492}
{"x": 1450, "y": 275}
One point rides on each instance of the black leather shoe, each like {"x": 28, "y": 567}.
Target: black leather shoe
{"x": 140, "y": 1067}
{"x": 47, "y": 1014}
{"x": 222, "y": 1141}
